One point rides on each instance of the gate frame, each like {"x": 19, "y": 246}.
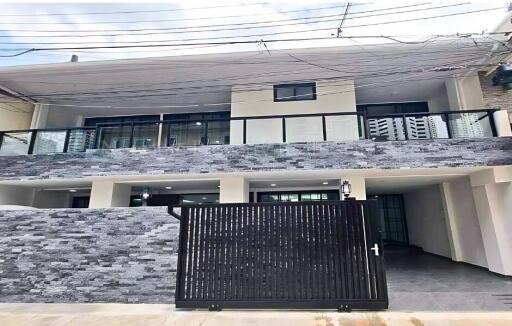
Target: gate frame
{"x": 370, "y": 208}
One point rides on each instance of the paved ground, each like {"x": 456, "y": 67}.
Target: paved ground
{"x": 423, "y": 282}
{"x": 149, "y": 315}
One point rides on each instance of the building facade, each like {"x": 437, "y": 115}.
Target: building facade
{"x": 432, "y": 148}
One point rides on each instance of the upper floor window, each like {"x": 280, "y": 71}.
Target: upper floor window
{"x": 294, "y": 92}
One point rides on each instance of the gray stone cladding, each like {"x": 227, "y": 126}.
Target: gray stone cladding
{"x": 363, "y": 154}
{"x": 495, "y": 97}
{"x": 125, "y": 255}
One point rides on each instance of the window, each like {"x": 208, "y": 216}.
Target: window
{"x": 195, "y": 132}
{"x": 296, "y": 196}
{"x": 392, "y": 108}
{"x": 294, "y": 92}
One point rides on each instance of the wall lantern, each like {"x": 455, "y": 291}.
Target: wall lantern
{"x": 145, "y": 196}
{"x": 346, "y": 189}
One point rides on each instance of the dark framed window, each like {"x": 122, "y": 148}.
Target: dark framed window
{"x": 80, "y": 202}
{"x": 294, "y": 92}
{"x": 295, "y": 196}
{"x": 93, "y": 121}
{"x": 392, "y": 108}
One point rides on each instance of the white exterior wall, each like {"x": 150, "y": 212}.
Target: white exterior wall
{"x": 15, "y": 116}
{"x": 425, "y": 220}
{"x": 462, "y": 222}
{"x": 107, "y": 193}
{"x": 492, "y": 192}
{"x": 14, "y": 195}
{"x": 234, "y": 190}
{"x": 464, "y": 93}
{"x": 332, "y": 96}
{"x": 52, "y": 199}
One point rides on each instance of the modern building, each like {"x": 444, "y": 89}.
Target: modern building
{"x": 418, "y": 130}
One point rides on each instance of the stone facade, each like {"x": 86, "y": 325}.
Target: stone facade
{"x": 126, "y": 255}
{"x": 495, "y": 97}
{"x": 362, "y": 154}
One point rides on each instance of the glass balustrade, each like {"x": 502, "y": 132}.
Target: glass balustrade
{"x": 251, "y": 130}
{"x": 49, "y": 142}
{"x": 15, "y": 143}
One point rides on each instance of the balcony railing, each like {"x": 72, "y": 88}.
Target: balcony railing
{"x": 252, "y": 130}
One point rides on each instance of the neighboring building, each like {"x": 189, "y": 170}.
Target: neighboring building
{"x": 253, "y": 127}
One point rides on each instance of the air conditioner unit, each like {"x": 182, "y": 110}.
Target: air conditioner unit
{"x": 503, "y": 76}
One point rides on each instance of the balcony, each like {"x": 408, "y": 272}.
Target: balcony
{"x": 343, "y": 126}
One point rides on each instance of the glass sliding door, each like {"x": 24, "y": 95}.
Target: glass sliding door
{"x": 196, "y": 129}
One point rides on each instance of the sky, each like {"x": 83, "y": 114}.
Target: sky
{"x": 26, "y": 26}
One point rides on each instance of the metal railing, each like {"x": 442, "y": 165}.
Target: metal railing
{"x": 339, "y": 126}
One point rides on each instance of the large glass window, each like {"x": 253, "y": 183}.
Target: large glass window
{"x": 116, "y": 132}
{"x": 296, "y": 196}
{"x": 294, "y": 92}
{"x": 197, "y": 130}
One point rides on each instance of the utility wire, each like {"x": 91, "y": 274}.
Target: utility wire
{"x": 390, "y": 55}
{"x": 386, "y": 83}
{"x": 208, "y": 18}
{"x": 427, "y": 68}
{"x": 184, "y": 29}
{"x": 136, "y": 11}
{"x": 130, "y": 43}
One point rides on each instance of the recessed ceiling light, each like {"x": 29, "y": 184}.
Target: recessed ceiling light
{"x": 168, "y": 187}
{"x": 72, "y": 190}
{"x": 325, "y": 183}
{"x": 273, "y": 185}
{"x": 218, "y": 186}
{"x": 198, "y": 123}
{"x": 204, "y": 198}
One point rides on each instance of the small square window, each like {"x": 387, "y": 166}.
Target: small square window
{"x": 294, "y": 92}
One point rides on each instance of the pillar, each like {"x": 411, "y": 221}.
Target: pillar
{"x": 40, "y": 116}
{"x": 234, "y": 190}
{"x": 492, "y": 192}
{"x": 358, "y": 187}
{"x": 107, "y": 193}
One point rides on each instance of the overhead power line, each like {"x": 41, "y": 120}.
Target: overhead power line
{"x": 386, "y": 83}
{"x": 193, "y": 44}
{"x": 280, "y": 22}
{"x": 130, "y": 44}
{"x": 135, "y": 11}
{"x": 434, "y": 66}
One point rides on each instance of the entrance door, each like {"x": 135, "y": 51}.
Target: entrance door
{"x": 306, "y": 255}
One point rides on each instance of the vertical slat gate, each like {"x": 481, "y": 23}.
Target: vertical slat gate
{"x": 305, "y": 255}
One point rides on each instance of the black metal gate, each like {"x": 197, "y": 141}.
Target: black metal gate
{"x": 305, "y": 255}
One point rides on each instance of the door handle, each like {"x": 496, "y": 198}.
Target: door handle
{"x": 375, "y": 249}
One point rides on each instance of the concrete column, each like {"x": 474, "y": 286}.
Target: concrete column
{"x": 464, "y": 93}
{"x": 502, "y": 123}
{"x": 358, "y": 187}
{"x": 492, "y": 192}
{"x": 106, "y": 193}
{"x": 40, "y": 116}
{"x": 451, "y": 221}
{"x": 234, "y": 190}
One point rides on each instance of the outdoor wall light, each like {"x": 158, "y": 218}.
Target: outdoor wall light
{"x": 72, "y": 190}
{"x": 346, "y": 189}
{"x": 145, "y": 194}
{"x": 198, "y": 123}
